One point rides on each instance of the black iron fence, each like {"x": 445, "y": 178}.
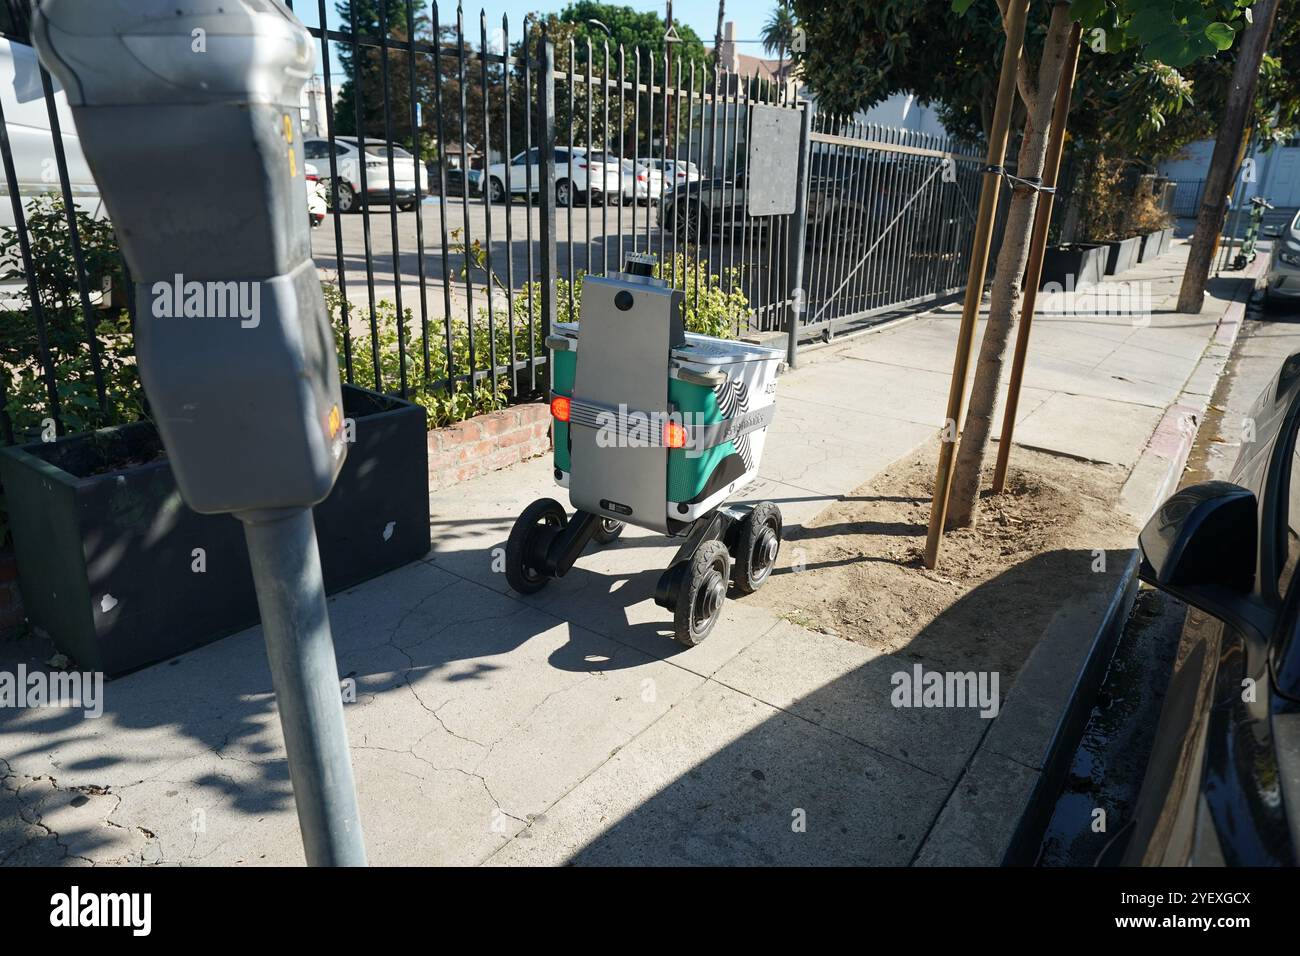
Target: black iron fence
{"x": 476, "y": 172}
{"x": 1188, "y": 194}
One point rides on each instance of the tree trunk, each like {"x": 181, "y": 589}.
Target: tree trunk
{"x": 717, "y": 37}
{"x": 1004, "y": 301}
{"x": 1227, "y": 155}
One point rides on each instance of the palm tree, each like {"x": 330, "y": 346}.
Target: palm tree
{"x": 778, "y": 33}
{"x": 717, "y": 38}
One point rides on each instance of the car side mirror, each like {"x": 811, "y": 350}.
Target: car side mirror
{"x": 1201, "y": 546}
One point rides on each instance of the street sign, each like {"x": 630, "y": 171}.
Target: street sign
{"x": 773, "y": 160}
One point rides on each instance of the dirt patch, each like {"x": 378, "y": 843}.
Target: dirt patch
{"x": 855, "y": 571}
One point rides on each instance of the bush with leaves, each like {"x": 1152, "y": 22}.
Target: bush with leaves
{"x": 713, "y": 304}
{"x": 26, "y": 394}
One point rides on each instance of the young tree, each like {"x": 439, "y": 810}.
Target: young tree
{"x": 946, "y": 51}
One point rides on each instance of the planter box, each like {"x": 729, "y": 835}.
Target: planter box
{"x": 1122, "y": 255}
{"x": 1166, "y": 240}
{"x": 107, "y": 558}
{"x": 1150, "y": 246}
{"x": 1074, "y": 265}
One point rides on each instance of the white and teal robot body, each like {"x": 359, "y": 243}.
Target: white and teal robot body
{"x": 655, "y": 427}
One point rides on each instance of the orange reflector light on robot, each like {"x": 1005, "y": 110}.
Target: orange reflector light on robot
{"x": 674, "y": 435}
{"x": 560, "y": 408}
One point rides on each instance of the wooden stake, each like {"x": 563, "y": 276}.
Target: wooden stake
{"x": 979, "y": 263}
{"x": 1037, "y": 251}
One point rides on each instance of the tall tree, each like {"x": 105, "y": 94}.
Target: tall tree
{"x": 778, "y": 32}
{"x": 717, "y": 36}
{"x": 1227, "y": 149}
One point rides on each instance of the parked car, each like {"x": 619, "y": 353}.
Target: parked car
{"x": 575, "y": 173}
{"x": 653, "y": 192}
{"x": 316, "y": 201}
{"x": 1223, "y": 782}
{"x": 1283, "y": 282}
{"x": 348, "y": 162}
{"x": 456, "y": 180}
{"x": 674, "y": 172}
{"x": 27, "y": 122}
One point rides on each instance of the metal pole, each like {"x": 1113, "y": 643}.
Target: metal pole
{"x": 979, "y": 261}
{"x": 797, "y": 297}
{"x": 296, "y": 625}
{"x": 546, "y": 180}
{"x": 1037, "y": 250}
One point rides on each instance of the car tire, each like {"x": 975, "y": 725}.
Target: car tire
{"x": 563, "y": 193}
{"x": 496, "y": 191}
{"x": 347, "y": 198}
{"x": 406, "y": 206}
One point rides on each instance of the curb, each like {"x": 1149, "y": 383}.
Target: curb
{"x": 1000, "y": 805}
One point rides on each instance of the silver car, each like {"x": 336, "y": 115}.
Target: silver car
{"x": 1283, "y": 283}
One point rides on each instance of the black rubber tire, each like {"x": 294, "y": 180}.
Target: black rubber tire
{"x": 703, "y": 593}
{"x": 563, "y": 193}
{"x": 348, "y": 201}
{"x": 406, "y": 206}
{"x": 607, "y": 531}
{"x": 544, "y": 512}
{"x": 758, "y": 541}
{"x": 496, "y": 191}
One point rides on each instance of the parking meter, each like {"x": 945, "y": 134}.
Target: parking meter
{"x": 188, "y": 113}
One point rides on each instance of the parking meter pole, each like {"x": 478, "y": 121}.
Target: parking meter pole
{"x": 232, "y": 340}
{"x": 295, "y": 624}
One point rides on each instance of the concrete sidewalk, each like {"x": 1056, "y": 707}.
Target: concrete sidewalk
{"x": 568, "y": 726}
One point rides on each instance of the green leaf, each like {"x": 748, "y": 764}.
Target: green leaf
{"x": 1221, "y": 35}
{"x": 961, "y": 6}
{"x": 1087, "y": 12}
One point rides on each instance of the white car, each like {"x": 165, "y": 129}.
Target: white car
{"x": 347, "y": 158}
{"x": 316, "y": 201}
{"x": 28, "y": 124}
{"x": 651, "y": 188}
{"x": 575, "y": 174}
{"x": 674, "y": 171}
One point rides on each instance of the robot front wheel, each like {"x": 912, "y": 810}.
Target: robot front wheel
{"x": 530, "y": 539}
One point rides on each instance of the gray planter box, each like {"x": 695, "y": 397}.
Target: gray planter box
{"x": 1073, "y": 265}
{"x": 1166, "y": 240}
{"x": 1122, "y": 255}
{"x": 106, "y": 558}
{"x": 1150, "y": 246}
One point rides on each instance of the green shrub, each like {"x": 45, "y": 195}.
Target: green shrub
{"x": 26, "y": 395}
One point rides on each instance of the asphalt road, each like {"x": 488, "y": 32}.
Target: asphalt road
{"x": 1110, "y": 760}
{"x": 586, "y": 240}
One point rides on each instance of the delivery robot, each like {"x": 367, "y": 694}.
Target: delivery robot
{"x": 656, "y": 427}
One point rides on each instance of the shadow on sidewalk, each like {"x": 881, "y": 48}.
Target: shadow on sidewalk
{"x": 866, "y": 778}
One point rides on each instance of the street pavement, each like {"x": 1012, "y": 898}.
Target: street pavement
{"x": 567, "y": 727}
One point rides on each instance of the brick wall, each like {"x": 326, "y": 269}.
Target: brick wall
{"x": 488, "y": 443}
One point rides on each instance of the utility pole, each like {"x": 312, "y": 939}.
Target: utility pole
{"x": 1227, "y": 153}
